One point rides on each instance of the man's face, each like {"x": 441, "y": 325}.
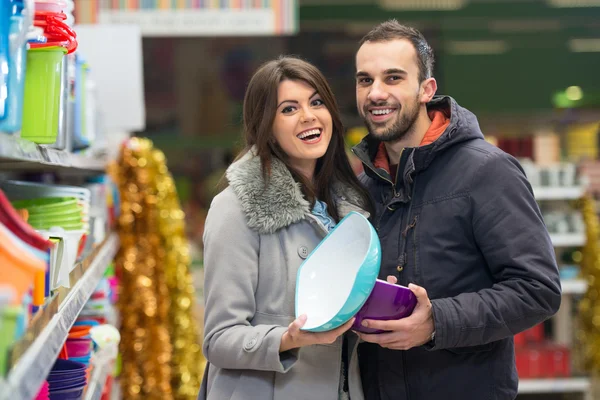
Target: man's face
{"x": 388, "y": 91}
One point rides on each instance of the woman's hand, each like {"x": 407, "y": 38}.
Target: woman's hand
{"x": 294, "y": 337}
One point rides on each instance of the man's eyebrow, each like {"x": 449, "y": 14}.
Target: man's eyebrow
{"x": 391, "y": 71}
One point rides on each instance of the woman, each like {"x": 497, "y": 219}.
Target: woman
{"x": 286, "y": 191}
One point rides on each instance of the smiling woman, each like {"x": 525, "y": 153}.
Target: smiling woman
{"x": 287, "y": 190}
{"x": 302, "y": 125}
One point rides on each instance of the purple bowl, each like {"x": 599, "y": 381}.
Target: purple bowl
{"x": 386, "y": 302}
{"x": 66, "y": 366}
{"x": 72, "y": 384}
{"x": 67, "y": 379}
{"x": 67, "y": 394}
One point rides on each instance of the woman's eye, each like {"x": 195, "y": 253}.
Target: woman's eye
{"x": 287, "y": 109}
{"x": 317, "y": 102}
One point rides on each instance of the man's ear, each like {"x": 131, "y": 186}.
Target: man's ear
{"x": 428, "y": 89}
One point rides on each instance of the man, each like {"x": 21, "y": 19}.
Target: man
{"x": 457, "y": 221}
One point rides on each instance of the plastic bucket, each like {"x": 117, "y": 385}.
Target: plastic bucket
{"x": 42, "y": 94}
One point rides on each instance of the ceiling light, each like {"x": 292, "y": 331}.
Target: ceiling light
{"x": 574, "y": 93}
{"x": 421, "y": 5}
{"x": 476, "y": 47}
{"x": 589, "y": 45}
{"x": 573, "y": 3}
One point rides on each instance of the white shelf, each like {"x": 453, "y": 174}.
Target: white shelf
{"x": 558, "y": 193}
{"x": 31, "y": 370}
{"x": 568, "y": 239}
{"x": 557, "y": 385}
{"x": 574, "y": 286}
{"x": 20, "y": 154}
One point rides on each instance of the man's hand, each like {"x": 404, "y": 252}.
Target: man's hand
{"x": 406, "y": 333}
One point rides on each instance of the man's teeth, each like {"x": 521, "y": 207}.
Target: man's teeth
{"x": 306, "y": 134}
{"x": 382, "y": 112}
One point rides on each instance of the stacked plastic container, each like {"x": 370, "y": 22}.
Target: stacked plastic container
{"x": 44, "y": 78}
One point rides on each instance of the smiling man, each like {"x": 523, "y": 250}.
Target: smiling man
{"x": 458, "y": 224}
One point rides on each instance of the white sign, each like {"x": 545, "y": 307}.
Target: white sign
{"x": 203, "y": 22}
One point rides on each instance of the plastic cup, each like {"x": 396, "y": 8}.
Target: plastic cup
{"x": 42, "y": 94}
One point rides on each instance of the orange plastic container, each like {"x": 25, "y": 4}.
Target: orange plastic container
{"x": 19, "y": 268}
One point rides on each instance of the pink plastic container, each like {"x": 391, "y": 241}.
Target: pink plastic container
{"x": 79, "y": 347}
{"x": 43, "y": 393}
{"x": 50, "y": 5}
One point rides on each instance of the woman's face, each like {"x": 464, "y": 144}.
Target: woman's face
{"x": 302, "y": 125}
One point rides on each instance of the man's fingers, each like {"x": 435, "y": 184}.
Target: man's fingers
{"x": 419, "y": 291}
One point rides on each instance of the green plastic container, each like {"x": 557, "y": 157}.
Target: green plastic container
{"x": 48, "y": 204}
{"x": 41, "y": 106}
{"x": 8, "y": 327}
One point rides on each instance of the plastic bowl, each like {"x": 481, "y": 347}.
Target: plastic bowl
{"x": 79, "y": 347}
{"x": 67, "y": 394}
{"x": 62, "y": 366}
{"x": 337, "y": 277}
{"x": 47, "y": 204}
{"x": 60, "y": 384}
{"x": 386, "y": 302}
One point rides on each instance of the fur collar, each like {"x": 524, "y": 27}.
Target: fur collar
{"x": 281, "y": 203}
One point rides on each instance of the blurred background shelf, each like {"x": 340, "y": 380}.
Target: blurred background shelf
{"x": 32, "y": 366}
{"x": 556, "y": 385}
{"x": 17, "y": 154}
{"x": 558, "y": 193}
{"x": 568, "y": 239}
{"x": 574, "y": 286}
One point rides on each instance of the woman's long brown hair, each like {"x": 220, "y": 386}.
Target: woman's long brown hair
{"x": 260, "y": 106}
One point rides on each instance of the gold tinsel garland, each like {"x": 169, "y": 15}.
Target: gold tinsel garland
{"x": 589, "y": 306}
{"x": 159, "y": 338}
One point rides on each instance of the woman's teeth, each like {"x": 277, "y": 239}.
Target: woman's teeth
{"x": 309, "y": 134}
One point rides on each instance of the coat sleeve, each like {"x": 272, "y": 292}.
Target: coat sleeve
{"x": 509, "y": 231}
{"x": 231, "y": 254}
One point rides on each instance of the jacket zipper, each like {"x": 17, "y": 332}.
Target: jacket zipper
{"x": 402, "y": 256}
{"x": 368, "y": 165}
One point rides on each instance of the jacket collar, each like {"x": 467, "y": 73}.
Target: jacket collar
{"x": 280, "y": 203}
{"x": 463, "y": 126}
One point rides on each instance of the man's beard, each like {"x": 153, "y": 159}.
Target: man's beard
{"x": 400, "y": 129}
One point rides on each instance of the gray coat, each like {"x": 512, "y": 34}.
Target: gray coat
{"x": 254, "y": 241}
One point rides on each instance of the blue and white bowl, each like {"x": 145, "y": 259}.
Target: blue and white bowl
{"x": 336, "y": 279}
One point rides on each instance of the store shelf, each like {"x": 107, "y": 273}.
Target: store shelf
{"x": 558, "y": 193}
{"x": 22, "y": 155}
{"x": 31, "y": 367}
{"x": 568, "y": 239}
{"x": 557, "y": 385}
{"x": 574, "y": 286}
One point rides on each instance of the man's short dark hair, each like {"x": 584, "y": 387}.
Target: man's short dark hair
{"x": 392, "y": 30}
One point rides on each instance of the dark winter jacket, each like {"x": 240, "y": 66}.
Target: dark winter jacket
{"x": 462, "y": 222}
